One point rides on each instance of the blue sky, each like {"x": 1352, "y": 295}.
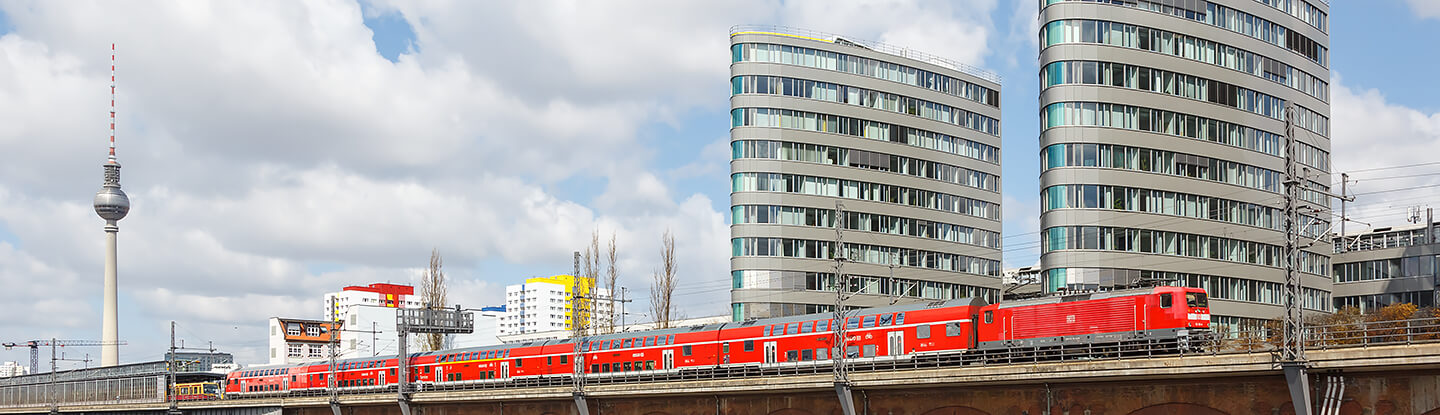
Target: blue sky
{"x": 277, "y": 151}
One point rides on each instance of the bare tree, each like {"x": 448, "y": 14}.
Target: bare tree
{"x": 611, "y": 275}
{"x": 434, "y": 292}
{"x": 583, "y": 303}
{"x": 662, "y": 290}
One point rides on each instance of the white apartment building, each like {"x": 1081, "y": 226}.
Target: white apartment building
{"x": 8, "y": 369}
{"x": 373, "y": 295}
{"x": 544, "y": 304}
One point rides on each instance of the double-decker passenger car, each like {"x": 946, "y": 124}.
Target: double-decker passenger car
{"x": 936, "y": 329}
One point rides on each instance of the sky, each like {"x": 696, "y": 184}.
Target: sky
{"x": 277, "y": 150}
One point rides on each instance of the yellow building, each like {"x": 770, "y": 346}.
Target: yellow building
{"x": 546, "y": 304}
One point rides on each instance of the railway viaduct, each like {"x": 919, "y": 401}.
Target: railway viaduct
{"x": 1401, "y": 379}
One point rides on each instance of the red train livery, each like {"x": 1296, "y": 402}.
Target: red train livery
{"x": 952, "y": 327}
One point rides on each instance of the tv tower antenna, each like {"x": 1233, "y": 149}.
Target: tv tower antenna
{"x": 112, "y": 205}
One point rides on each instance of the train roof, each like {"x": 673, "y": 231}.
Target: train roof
{"x": 1089, "y": 296}
{"x": 968, "y": 301}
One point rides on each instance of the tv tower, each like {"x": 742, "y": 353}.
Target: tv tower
{"x": 112, "y": 205}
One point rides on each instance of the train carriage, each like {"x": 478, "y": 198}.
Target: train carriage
{"x": 874, "y": 335}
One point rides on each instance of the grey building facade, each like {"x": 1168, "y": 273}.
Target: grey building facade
{"x": 906, "y": 145}
{"x": 1162, "y": 147}
{"x": 1387, "y": 266}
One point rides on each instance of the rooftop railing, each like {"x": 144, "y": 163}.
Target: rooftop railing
{"x": 867, "y": 44}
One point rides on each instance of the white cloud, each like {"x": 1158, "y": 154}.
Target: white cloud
{"x": 1370, "y": 133}
{"x": 1425, "y": 8}
{"x": 272, "y": 155}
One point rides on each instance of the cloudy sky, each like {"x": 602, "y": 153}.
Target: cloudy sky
{"x": 277, "y": 150}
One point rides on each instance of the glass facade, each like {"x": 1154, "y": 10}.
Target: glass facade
{"x": 1164, "y": 121}
{"x": 898, "y": 157}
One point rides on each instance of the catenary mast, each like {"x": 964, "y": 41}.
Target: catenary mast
{"x": 112, "y": 205}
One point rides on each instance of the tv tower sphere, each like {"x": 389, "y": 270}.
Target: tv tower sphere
{"x": 110, "y": 202}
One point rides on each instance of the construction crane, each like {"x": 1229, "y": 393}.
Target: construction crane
{"x": 35, "y": 346}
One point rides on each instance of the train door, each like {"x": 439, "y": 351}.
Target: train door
{"x": 504, "y": 369}
{"x": 771, "y": 352}
{"x": 897, "y": 343}
{"x": 440, "y": 373}
{"x": 382, "y": 377}
{"x": 284, "y": 383}
{"x": 667, "y": 361}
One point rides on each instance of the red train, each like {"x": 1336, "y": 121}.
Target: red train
{"x": 940, "y": 328}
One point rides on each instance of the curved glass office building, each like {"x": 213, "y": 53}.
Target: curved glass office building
{"x": 905, "y": 144}
{"x": 1162, "y": 147}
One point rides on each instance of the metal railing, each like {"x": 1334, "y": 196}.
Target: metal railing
{"x": 871, "y": 45}
{"x": 1352, "y": 334}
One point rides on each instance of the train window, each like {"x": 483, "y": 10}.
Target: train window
{"x": 671, "y": 340}
{"x": 517, "y": 362}
{"x": 392, "y": 373}
{"x": 650, "y": 341}
{"x": 954, "y": 329}
{"x": 685, "y": 350}
{"x": 886, "y": 319}
{"x": 604, "y": 368}
{"x": 899, "y": 318}
{"x": 427, "y": 369}
{"x": 870, "y": 350}
{"x": 792, "y": 328}
{"x": 629, "y": 366}
{"x": 1166, "y": 300}
{"x": 989, "y": 316}
{"x": 807, "y": 355}
{"x": 869, "y": 321}
{"x": 490, "y": 374}
{"x": 791, "y": 356}
{"x": 564, "y": 359}
{"x": 767, "y": 331}
{"x": 922, "y": 331}
{"x": 749, "y": 345}
{"x": 594, "y": 368}
{"x": 649, "y": 365}
{"x": 629, "y": 342}
{"x": 615, "y": 344}
{"x": 1193, "y": 299}
{"x": 807, "y": 327}
{"x": 549, "y": 360}
{"x": 852, "y": 352}
{"x": 725, "y": 348}
{"x": 458, "y": 376}
{"x": 293, "y": 378}
{"x": 823, "y": 325}
{"x": 852, "y": 323}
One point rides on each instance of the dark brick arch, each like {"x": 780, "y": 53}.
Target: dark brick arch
{"x": 1178, "y": 409}
{"x": 955, "y": 410}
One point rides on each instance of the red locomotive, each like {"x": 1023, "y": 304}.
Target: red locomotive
{"x": 941, "y": 328}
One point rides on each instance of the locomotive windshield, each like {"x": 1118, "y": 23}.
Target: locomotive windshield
{"x": 1196, "y": 300}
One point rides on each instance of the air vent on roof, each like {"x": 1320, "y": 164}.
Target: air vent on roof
{"x": 748, "y": 322}
{"x": 934, "y": 304}
{"x": 842, "y": 41}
